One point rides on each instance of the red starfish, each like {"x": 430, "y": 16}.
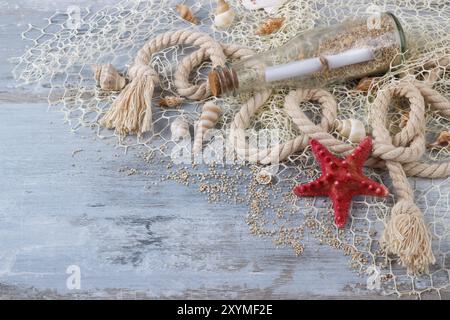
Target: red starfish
{"x": 341, "y": 179}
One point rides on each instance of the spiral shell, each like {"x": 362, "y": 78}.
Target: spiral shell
{"x": 442, "y": 141}
{"x": 208, "y": 119}
{"x": 186, "y": 13}
{"x": 270, "y": 26}
{"x": 170, "y": 102}
{"x": 224, "y": 15}
{"x": 352, "y": 129}
{"x": 180, "y": 129}
{"x": 108, "y": 78}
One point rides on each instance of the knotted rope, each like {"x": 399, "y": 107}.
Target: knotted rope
{"x": 131, "y": 111}
{"x": 406, "y": 233}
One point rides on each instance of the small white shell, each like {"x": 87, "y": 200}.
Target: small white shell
{"x": 224, "y": 15}
{"x": 108, "y": 78}
{"x": 180, "y": 129}
{"x": 352, "y": 129}
{"x": 264, "y": 176}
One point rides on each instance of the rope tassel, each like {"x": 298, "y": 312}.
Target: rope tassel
{"x": 131, "y": 111}
{"x": 407, "y": 236}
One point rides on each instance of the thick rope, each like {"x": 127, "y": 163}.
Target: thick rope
{"x": 131, "y": 111}
{"x": 406, "y": 233}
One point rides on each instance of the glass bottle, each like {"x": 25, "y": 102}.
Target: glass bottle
{"x": 358, "y": 47}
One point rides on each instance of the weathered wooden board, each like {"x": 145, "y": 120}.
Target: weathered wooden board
{"x": 64, "y": 200}
{"x": 60, "y": 208}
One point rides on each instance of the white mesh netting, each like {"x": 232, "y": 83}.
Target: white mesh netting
{"x": 60, "y": 58}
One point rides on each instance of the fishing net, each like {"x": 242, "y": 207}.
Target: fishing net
{"x": 62, "y": 51}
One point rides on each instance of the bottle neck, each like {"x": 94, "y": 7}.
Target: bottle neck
{"x": 223, "y": 81}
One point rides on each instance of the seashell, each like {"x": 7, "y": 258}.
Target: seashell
{"x": 186, "y": 13}
{"x": 180, "y": 129}
{"x": 442, "y": 141}
{"x": 364, "y": 84}
{"x": 171, "y": 102}
{"x": 264, "y": 176}
{"x": 108, "y": 78}
{"x": 270, "y": 26}
{"x": 270, "y": 6}
{"x": 224, "y": 15}
{"x": 352, "y": 129}
{"x": 208, "y": 119}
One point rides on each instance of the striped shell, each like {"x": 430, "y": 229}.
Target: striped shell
{"x": 108, "y": 78}
{"x": 352, "y": 129}
{"x": 224, "y": 15}
{"x": 208, "y": 120}
{"x": 186, "y": 13}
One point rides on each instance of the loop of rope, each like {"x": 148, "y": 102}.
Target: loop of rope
{"x": 306, "y": 128}
{"x": 131, "y": 111}
{"x": 189, "y": 63}
{"x": 413, "y": 133}
{"x": 405, "y": 235}
{"x": 407, "y": 146}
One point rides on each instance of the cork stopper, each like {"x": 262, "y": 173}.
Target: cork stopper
{"x": 214, "y": 83}
{"x": 223, "y": 80}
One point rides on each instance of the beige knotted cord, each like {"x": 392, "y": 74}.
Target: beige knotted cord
{"x": 131, "y": 111}
{"x": 406, "y": 233}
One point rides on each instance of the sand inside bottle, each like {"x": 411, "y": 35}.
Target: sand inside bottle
{"x": 357, "y": 48}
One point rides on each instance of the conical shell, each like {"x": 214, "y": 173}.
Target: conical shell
{"x": 352, "y": 129}
{"x": 180, "y": 129}
{"x": 442, "y": 141}
{"x": 270, "y": 26}
{"x": 186, "y": 13}
{"x": 222, "y": 6}
{"x": 224, "y": 15}
{"x": 108, "y": 78}
{"x": 208, "y": 120}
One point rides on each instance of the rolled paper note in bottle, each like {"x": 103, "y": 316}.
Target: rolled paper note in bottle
{"x": 359, "y": 47}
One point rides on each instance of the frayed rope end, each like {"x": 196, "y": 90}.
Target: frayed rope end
{"x": 131, "y": 111}
{"x": 407, "y": 236}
